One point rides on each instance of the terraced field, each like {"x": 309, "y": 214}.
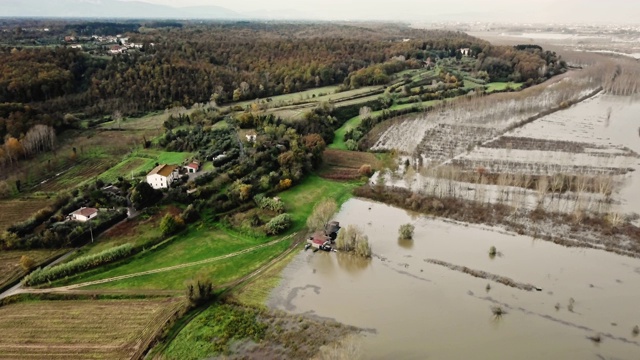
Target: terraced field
{"x": 81, "y": 329}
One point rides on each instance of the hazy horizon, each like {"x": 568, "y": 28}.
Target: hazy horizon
{"x": 504, "y": 11}
{"x": 614, "y": 11}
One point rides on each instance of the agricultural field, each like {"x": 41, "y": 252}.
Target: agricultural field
{"x": 81, "y": 329}
{"x": 17, "y": 210}
{"x": 10, "y": 269}
{"x": 345, "y": 165}
{"x": 76, "y": 176}
{"x": 452, "y": 130}
{"x": 576, "y": 161}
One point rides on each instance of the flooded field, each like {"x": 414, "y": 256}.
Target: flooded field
{"x": 596, "y": 141}
{"x": 413, "y": 309}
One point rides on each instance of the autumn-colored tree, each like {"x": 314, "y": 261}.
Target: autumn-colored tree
{"x": 27, "y": 263}
{"x": 13, "y": 149}
{"x": 284, "y": 184}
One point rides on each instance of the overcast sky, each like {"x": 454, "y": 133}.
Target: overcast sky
{"x": 602, "y": 11}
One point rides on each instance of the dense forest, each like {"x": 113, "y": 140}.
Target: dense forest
{"x": 224, "y": 62}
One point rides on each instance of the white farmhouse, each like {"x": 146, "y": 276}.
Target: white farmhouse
{"x": 162, "y": 176}
{"x": 251, "y": 136}
{"x": 84, "y": 214}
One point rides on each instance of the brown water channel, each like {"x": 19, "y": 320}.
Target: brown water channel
{"x": 417, "y": 310}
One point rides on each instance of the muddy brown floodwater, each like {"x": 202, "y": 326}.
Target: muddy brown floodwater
{"x": 418, "y": 310}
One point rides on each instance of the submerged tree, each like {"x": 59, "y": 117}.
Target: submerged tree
{"x": 406, "y": 231}
{"x": 353, "y": 239}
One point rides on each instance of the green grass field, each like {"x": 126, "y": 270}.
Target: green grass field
{"x": 338, "y": 140}
{"x": 143, "y": 161}
{"x": 220, "y": 272}
{"x": 301, "y": 199}
{"x": 193, "y": 245}
{"x": 500, "y": 86}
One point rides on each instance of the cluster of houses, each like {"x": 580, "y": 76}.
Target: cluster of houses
{"x": 160, "y": 177}
{"x": 121, "y": 44}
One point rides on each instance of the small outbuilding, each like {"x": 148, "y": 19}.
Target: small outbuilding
{"x": 319, "y": 241}
{"x": 192, "y": 168}
{"x": 331, "y": 230}
{"x": 84, "y": 214}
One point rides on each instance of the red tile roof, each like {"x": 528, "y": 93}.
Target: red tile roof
{"x": 85, "y": 211}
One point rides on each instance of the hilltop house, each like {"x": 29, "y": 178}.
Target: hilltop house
{"x": 162, "y": 176}
{"x": 84, "y": 214}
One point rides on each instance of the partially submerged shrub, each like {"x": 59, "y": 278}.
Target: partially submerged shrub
{"x": 493, "y": 251}
{"x": 636, "y": 330}
{"x": 498, "y": 310}
{"x": 595, "y": 338}
{"x": 353, "y": 239}
{"x": 406, "y": 231}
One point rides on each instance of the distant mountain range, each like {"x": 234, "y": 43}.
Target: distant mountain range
{"x": 110, "y": 9}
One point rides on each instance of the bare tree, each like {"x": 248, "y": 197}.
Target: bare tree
{"x": 322, "y": 213}
{"x": 117, "y": 117}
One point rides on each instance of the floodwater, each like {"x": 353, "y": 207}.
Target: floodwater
{"x": 416, "y": 310}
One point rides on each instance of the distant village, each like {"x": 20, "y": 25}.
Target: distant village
{"x": 113, "y": 45}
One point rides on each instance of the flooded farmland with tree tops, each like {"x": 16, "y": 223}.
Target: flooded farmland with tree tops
{"x": 442, "y": 296}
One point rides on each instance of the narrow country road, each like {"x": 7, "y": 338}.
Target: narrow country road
{"x": 68, "y": 288}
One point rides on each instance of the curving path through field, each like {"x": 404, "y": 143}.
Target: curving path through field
{"x": 148, "y": 272}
